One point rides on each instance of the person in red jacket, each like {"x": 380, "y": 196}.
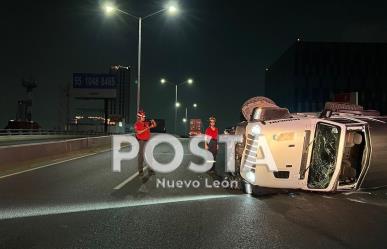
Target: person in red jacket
{"x": 211, "y": 141}
{"x": 142, "y": 128}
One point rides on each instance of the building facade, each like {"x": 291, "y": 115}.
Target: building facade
{"x": 310, "y": 73}
{"x": 120, "y": 106}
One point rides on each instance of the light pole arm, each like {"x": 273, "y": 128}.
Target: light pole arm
{"x": 143, "y": 18}
{"x": 182, "y": 83}
{"x": 128, "y": 14}
{"x": 154, "y": 13}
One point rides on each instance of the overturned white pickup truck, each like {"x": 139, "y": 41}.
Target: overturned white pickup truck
{"x": 344, "y": 148}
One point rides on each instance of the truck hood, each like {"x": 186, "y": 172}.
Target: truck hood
{"x": 285, "y": 139}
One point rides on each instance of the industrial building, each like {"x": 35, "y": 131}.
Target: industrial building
{"x": 308, "y": 74}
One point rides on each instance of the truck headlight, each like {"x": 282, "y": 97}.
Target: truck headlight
{"x": 256, "y": 130}
{"x": 250, "y": 177}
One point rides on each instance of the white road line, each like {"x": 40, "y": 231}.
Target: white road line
{"x": 119, "y": 186}
{"x": 51, "y": 164}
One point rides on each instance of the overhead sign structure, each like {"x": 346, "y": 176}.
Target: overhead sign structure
{"x": 94, "y": 86}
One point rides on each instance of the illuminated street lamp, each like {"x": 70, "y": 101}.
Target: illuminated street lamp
{"x": 172, "y": 9}
{"x": 110, "y": 9}
{"x": 188, "y": 81}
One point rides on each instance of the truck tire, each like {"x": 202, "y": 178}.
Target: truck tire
{"x": 337, "y": 106}
{"x": 260, "y": 99}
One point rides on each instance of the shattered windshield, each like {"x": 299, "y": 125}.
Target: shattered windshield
{"x": 324, "y": 156}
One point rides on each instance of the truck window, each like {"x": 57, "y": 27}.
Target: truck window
{"x": 324, "y": 155}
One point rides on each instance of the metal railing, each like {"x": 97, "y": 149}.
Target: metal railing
{"x": 15, "y": 132}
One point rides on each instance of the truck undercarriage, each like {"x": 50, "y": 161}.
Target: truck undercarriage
{"x": 336, "y": 155}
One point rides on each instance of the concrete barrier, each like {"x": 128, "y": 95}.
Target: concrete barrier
{"x": 26, "y": 152}
{"x": 10, "y": 138}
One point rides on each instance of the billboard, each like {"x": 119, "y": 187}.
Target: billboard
{"x": 94, "y": 86}
{"x": 351, "y": 97}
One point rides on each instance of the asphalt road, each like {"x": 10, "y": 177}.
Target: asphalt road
{"x": 83, "y": 204}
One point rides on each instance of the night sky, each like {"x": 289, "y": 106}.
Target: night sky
{"x": 224, "y": 45}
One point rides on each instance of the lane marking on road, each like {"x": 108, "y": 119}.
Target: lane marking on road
{"x": 171, "y": 153}
{"x": 52, "y": 164}
{"x": 119, "y": 186}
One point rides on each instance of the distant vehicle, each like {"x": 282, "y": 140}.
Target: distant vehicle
{"x": 22, "y": 125}
{"x": 195, "y": 127}
{"x": 160, "y": 128}
{"x": 344, "y": 148}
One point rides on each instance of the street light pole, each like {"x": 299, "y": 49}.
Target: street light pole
{"x": 189, "y": 81}
{"x": 110, "y": 9}
{"x": 175, "y": 107}
{"x": 139, "y": 65}
{"x": 186, "y": 118}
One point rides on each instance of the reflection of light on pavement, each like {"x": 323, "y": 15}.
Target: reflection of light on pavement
{"x": 64, "y": 209}
{"x": 365, "y": 198}
{"x": 356, "y": 193}
{"x": 356, "y": 200}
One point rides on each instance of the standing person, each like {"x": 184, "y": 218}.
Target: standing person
{"x": 211, "y": 141}
{"x": 142, "y": 128}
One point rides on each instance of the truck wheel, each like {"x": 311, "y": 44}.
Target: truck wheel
{"x": 247, "y": 188}
{"x": 337, "y": 106}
